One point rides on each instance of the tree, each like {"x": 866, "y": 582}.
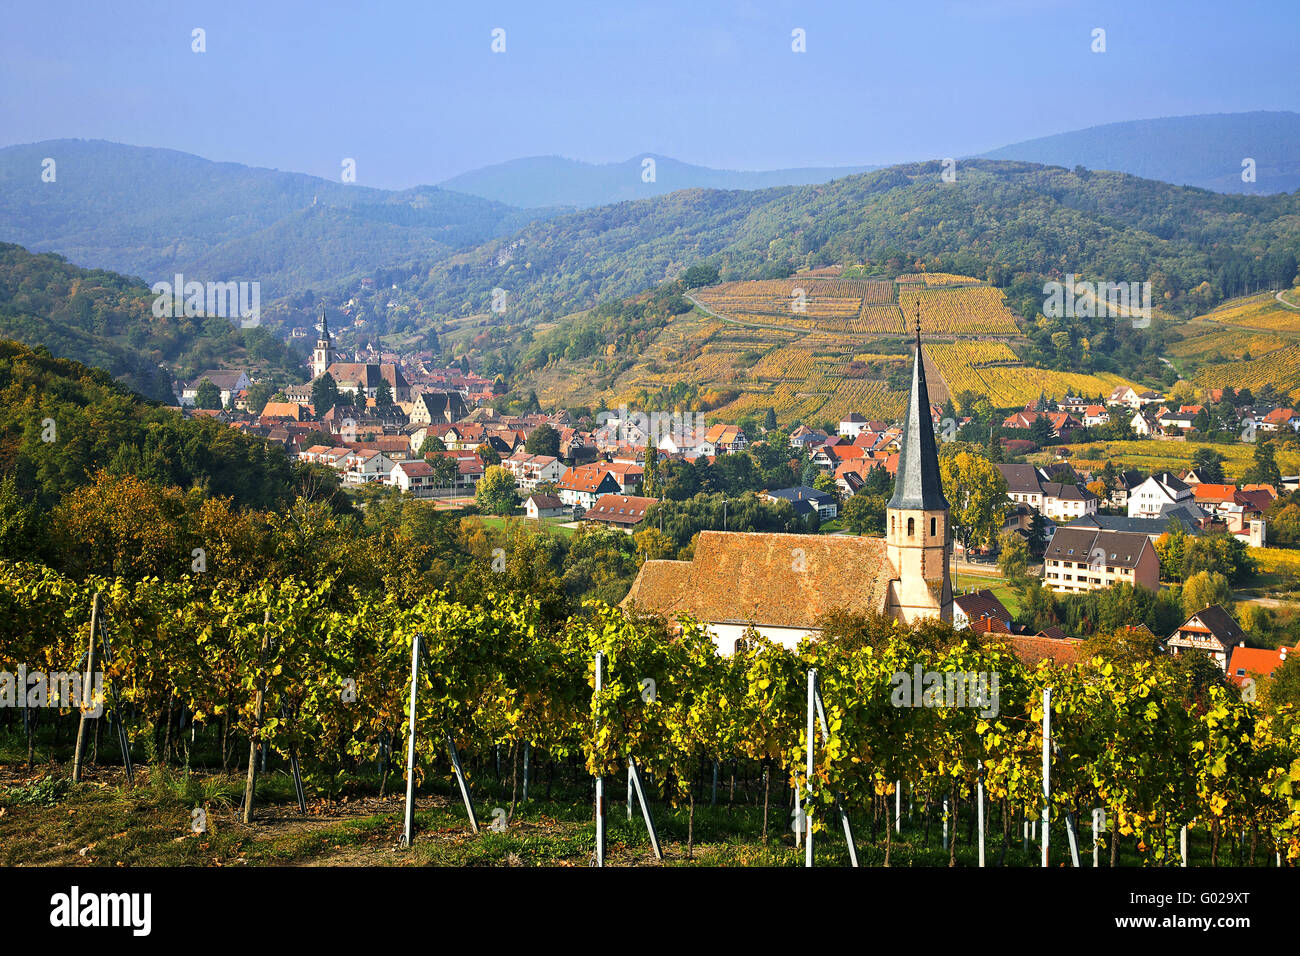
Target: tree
{"x": 977, "y": 496}
{"x": 1264, "y": 471}
{"x": 207, "y": 395}
{"x": 825, "y": 482}
{"x": 1041, "y": 431}
{"x": 487, "y": 454}
{"x": 1013, "y": 560}
{"x": 653, "y": 545}
{"x": 544, "y": 440}
{"x": 432, "y": 445}
{"x": 769, "y": 420}
{"x": 324, "y": 394}
{"x": 700, "y": 274}
{"x": 445, "y": 471}
{"x": 258, "y": 395}
{"x": 650, "y": 473}
{"x": 496, "y": 491}
{"x": 1205, "y": 588}
{"x": 864, "y": 513}
{"x": 1208, "y": 465}
{"x": 383, "y": 394}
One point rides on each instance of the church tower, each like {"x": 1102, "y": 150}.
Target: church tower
{"x": 917, "y": 536}
{"x": 324, "y": 355}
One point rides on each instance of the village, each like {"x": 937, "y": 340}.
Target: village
{"x": 432, "y": 433}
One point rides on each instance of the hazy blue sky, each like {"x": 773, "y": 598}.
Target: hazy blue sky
{"x": 414, "y": 93}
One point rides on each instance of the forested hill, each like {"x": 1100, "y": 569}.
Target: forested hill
{"x": 154, "y": 212}
{"x": 103, "y": 319}
{"x": 1002, "y": 216}
{"x": 60, "y": 422}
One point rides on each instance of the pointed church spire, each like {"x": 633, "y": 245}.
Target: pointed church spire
{"x": 917, "y": 484}
{"x": 324, "y": 326}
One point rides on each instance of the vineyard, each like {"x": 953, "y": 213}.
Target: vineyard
{"x": 993, "y": 369}
{"x": 815, "y": 348}
{"x": 320, "y": 677}
{"x": 979, "y": 310}
{"x": 1261, "y": 312}
{"x": 1281, "y": 369}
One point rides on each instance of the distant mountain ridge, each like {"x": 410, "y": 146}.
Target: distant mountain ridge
{"x": 152, "y": 212}
{"x": 536, "y": 181}
{"x": 1204, "y": 151}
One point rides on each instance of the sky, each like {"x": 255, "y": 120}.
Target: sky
{"x": 414, "y": 92}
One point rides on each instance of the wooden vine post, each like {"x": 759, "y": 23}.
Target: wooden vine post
{"x": 257, "y": 720}
{"x": 85, "y": 689}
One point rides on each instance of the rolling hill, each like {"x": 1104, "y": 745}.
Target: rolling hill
{"x": 154, "y": 212}
{"x": 1010, "y": 217}
{"x": 556, "y": 181}
{"x": 1205, "y": 151}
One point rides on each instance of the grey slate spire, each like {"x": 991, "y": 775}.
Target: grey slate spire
{"x": 917, "y": 485}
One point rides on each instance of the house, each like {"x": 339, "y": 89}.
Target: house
{"x": 1024, "y": 483}
{"x": 544, "y": 506}
{"x": 1256, "y": 663}
{"x": 829, "y": 457}
{"x": 1031, "y": 649}
{"x": 367, "y": 467}
{"x": 1192, "y": 523}
{"x": 1095, "y": 415}
{"x": 619, "y": 511}
{"x": 781, "y": 585}
{"x": 852, "y": 426}
{"x": 979, "y": 606}
{"x": 1125, "y": 482}
{"x": 1148, "y": 499}
{"x": 1131, "y": 397}
{"x": 805, "y": 501}
{"x": 228, "y": 382}
{"x": 586, "y": 483}
{"x": 1212, "y": 630}
{"x": 1081, "y": 559}
{"x": 1279, "y": 419}
{"x": 529, "y": 471}
{"x": 1063, "y": 502}
{"x": 803, "y": 437}
{"x": 627, "y": 473}
{"x": 1142, "y": 426}
{"x": 437, "y": 406}
{"x": 293, "y": 410}
{"x": 851, "y": 475}
{"x": 726, "y": 438}
{"x": 413, "y": 476}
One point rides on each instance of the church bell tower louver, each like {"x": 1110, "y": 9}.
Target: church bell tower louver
{"x": 918, "y": 538}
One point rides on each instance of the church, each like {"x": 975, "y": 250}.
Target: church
{"x": 361, "y": 378}
{"x": 780, "y": 584}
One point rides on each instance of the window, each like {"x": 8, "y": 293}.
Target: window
{"x": 892, "y": 529}
{"x": 934, "y": 524}
{"x": 911, "y": 527}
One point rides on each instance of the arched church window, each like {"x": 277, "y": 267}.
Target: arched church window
{"x": 892, "y": 520}
{"x": 911, "y": 527}
{"x": 934, "y": 526}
